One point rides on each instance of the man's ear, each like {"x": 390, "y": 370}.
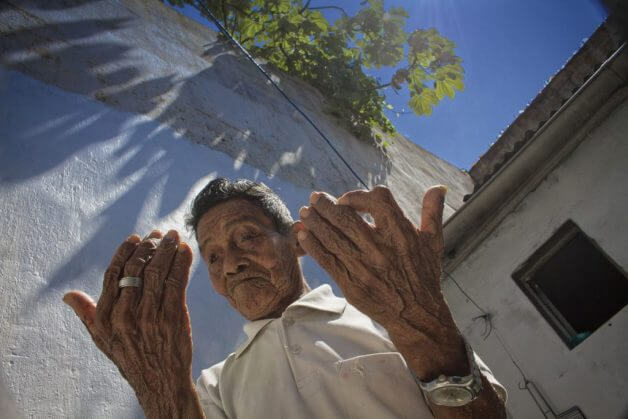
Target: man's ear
{"x": 296, "y": 227}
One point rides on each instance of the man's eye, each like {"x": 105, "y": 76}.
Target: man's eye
{"x": 212, "y": 258}
{"x": 249, "y": 235}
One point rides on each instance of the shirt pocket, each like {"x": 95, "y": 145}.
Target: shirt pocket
{"x": 380, "y": 385}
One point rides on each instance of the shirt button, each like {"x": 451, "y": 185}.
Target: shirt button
{"x": 295, "y": 349}
{"x": 288, "y": 321}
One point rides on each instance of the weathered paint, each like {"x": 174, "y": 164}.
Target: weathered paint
{"x": 144, "y": 57}
{"x": 77, "y": 178}
{"x": 588, "y": 187}
{"x": 111, "y": 119}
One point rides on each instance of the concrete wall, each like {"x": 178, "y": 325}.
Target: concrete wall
{"x": 112, "y": 116}
{"x": 589, "y": 187}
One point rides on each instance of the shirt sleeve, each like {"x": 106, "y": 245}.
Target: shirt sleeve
{"x": 207, "y": 388}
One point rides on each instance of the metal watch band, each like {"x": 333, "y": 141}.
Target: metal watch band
{"x": 472, "y": 382}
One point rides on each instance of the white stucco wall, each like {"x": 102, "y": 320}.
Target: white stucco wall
{"x": 589, "y": 187}
{"x": 78, "y": 177}
{"x": 143, "y": 57}
{"x": 111, "y": 118}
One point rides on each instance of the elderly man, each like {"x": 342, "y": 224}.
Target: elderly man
{"x": 309, "y": 354}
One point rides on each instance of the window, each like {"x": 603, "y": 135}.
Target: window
{"x": 573, "y": 283}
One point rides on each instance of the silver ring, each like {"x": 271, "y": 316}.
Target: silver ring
{"x": 130, "y": 281}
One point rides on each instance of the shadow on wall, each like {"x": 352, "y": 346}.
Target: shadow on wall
{"x": 51, "y": 53}
{"x": 102, "y": 174}
{"x": 212, "y": 106}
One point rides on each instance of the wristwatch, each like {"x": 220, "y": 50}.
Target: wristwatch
{"x": 455, "y": 391}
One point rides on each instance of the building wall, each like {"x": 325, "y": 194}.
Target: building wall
{"x": 588, "y": 187}
{"x": 112, "y": 116}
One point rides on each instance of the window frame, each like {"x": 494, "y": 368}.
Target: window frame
{"x": 524, "y": 274}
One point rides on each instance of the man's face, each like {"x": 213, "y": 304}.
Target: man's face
{"x": 249, "y": 262}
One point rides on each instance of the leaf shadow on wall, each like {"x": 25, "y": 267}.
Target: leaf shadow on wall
{"x": 149, "y": 171}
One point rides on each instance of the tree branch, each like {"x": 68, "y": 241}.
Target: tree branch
{"x": 235, "y": 23}
{"x": 239, "y": 9}
{"x": 305, "y": 7}
{"x": 253, "y": 37}
{"x": 381, "y": 86}
{"x": 344, "y": 12}
{"x": 288, "y": 57}
{"x": 224, "y": 16}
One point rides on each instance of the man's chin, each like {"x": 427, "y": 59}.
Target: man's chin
{"x": 256, "y": 300}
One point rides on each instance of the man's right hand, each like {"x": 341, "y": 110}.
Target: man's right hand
{"x": 146, "y": 331}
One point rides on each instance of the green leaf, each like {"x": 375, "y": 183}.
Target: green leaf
{"x": 440, "y": 90}
{"x": 319, "y": 20}
{"x": 333, "y": 58}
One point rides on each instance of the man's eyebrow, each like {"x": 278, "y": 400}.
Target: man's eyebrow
{"x": 230, "y": 223}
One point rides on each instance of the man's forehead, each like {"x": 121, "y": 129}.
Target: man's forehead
{"x": 220, "y": 218}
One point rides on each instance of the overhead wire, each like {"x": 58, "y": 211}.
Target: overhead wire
{"x": 200, "y": 6}
{"x": 487, "y": 316}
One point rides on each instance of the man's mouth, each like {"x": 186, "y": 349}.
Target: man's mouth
{"x": 236, "y": 282}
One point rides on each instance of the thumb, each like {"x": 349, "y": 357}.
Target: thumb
{"x": 83, "y": 305}
{"x": 432, "y": 210}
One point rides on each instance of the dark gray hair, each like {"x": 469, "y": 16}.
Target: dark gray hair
{"x": 221, "y": 190}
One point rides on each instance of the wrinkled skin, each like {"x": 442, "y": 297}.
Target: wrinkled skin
{"x": 253, "y": 266}
{"x": 390, "y": 270}
{"x": 146, "y": 331}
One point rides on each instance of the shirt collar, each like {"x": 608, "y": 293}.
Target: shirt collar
{"x": 320, "y": 298}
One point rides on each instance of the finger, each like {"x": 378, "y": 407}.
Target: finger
{"x": 173, "y": 306}
{"x": 378, "y": 202}
{"x": 112, "y": 276}
{"x": 432, "y": 210}
{"x": 84, "y": 307}
{"x": 346, "y": 220}
{"x": 123, "y": 313}
{"x": 388, "y": 216}
{"x": 333, "y": 240}
{"x": 154, "y": 278}
{"x": 325, "y": 259}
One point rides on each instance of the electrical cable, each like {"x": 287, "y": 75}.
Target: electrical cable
{"x": 226, "y": 33}
{"x": 465, "y": 294}
{"x": 526, "y": 382}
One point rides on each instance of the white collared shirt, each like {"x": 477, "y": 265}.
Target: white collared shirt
{"x": 321, "y": 359}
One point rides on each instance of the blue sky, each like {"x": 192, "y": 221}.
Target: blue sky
{"x": 509, "y": 48}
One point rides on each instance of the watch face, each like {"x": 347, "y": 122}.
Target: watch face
{"x": 451, "y": 396}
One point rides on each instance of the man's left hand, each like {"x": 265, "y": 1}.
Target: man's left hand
{"x": 389, "y": 270}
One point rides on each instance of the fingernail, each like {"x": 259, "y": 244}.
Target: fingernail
{"x": 151, "y": 235}
{"x": 68, "y": 300}
{"x": 314, "y": 197}
{"x": 171, "y": 236}
{"x": 304, "y": 212}
{"x": 301, "y": 235}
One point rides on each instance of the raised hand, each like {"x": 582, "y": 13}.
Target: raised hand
{"x": 389, "y": 270}
{"x": 145, "y": 330}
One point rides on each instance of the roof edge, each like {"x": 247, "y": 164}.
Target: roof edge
{"x": 605, "y": 41}
{"x": 602, "y": 92}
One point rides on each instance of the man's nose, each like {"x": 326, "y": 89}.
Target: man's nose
{"x": 235, "y": 262}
